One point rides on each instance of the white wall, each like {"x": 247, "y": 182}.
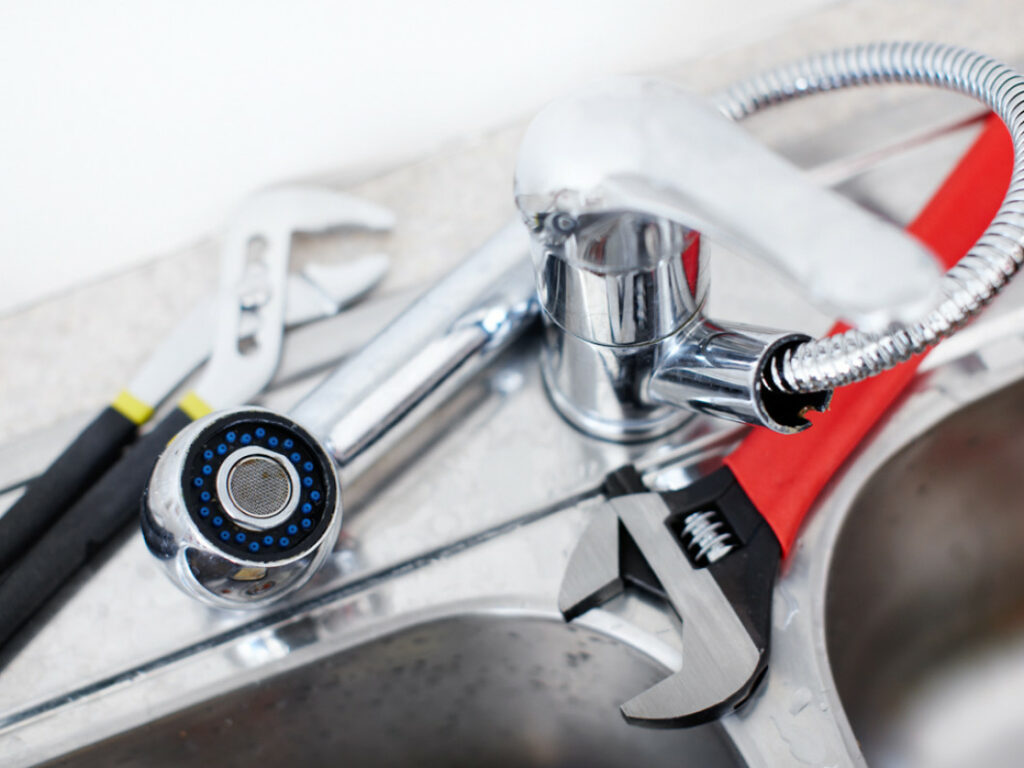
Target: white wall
{"x": 130, "y": 128}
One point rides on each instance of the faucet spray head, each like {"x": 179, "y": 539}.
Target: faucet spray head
{"x": 242, "y": 507}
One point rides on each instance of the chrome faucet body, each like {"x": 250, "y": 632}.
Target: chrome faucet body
{"x": 625, "y": 345}
{"x": 617, "y": 185}
{"x": 656, "y": 154}
{"x": 614, "y": 287}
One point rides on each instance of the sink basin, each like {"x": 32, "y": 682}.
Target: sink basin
{"x": 924, "y": 608}
{"x": 472, "y": 690}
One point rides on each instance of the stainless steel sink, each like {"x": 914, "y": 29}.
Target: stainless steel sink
{"x": 898, "y": 633}
{"x": 918, "y": 618}
{"x": 924, "y": 614}
{"x": 473, "y": 690}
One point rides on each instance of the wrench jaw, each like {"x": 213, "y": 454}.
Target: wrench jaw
{"x": 641, "y": 540}
{"x": 594, "y": 575}
{"x": 673, "y": 703}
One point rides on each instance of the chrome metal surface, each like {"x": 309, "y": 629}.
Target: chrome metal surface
{"x": 207, "y": 569}
{"x": 725, "y": 371}
{"x": 654, "y": 151}
{"x": 652, "y": 155}
{"x": 639, "y": 391}
{"x": 617, "y": 278}
{"x": 613, "y": 185}
{"x": 253, "y": 275}
{"x": 429, "y": 352}
{"x": 473, "y": 286}
{"x": 990, "y": 263}
{"x": 603, "y": 390}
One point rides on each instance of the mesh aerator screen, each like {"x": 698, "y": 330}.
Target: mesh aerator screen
{"x": 259, "y": 486}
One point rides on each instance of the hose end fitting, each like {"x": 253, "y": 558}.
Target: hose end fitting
{"x": 729, "y": 372}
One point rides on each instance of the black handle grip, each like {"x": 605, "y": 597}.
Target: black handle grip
{"x": 94, "y": 519}
{"x": 64, "y": 481}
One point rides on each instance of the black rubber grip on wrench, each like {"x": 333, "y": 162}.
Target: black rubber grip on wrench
{"x": 106, "y": 508}
{"x": 50, "y": 494}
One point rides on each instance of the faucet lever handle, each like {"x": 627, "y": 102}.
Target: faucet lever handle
{"x": 644, "y": 144}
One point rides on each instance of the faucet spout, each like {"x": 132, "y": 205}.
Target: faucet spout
{"x": 617, "y": 190}
{"x": 636, "y": 144}
{"x": 641, "y": 144}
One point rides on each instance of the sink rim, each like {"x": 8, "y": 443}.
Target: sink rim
{"x": 967, "y": 374}
{"x": 511, "y": 648}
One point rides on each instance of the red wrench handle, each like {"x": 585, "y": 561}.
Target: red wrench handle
{"x": 783, "y": 474}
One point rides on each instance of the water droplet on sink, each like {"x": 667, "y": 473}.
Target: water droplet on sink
{"x": 785, "y": 607}
{"x": 801, "y": 698}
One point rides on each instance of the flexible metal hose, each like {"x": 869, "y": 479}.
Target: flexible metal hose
{"x": 967, "y": 287}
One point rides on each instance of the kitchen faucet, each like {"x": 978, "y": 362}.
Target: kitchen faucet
{"x": 618, "y": 185}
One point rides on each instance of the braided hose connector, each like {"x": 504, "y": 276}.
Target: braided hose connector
{"x": 980, "y": 275}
